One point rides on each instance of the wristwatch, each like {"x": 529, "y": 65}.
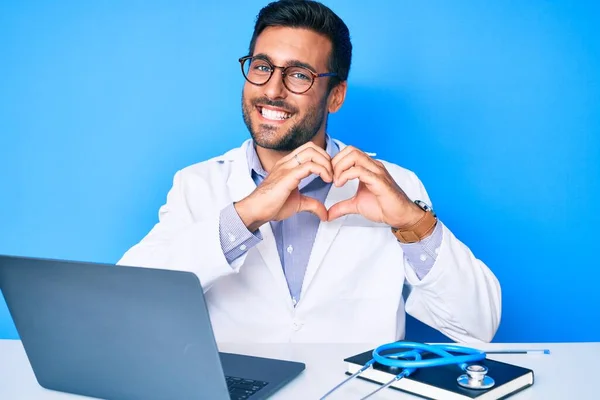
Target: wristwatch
{"x": 421, "y": 229}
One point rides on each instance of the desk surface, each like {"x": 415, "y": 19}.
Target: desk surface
{"x": 567, "y": 373}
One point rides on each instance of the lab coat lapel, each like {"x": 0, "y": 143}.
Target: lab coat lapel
{"x": 327, "y": 231}
{"x": 240, "y": 182}
{"x": 240, "y": 185}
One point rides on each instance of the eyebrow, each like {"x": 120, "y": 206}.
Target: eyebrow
{"x": 288, "y": 63}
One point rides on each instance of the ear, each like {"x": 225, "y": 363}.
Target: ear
{"x": 337, "y": 97}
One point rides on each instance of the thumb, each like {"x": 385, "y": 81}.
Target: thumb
{"x": 343, "y": 208}
{"x": 313, "y": 206}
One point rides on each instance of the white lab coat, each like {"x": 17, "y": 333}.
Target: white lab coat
{"x": 353, "y": 287}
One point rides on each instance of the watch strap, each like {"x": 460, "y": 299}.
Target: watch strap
{"x": 418, "y": 231}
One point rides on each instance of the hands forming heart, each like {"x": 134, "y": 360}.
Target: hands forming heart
{"x": 378, "y": 198}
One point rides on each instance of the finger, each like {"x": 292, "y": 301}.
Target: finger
{"x": 366, "y": 176}
{"x": 354, "y": 159}
{"x": 352, "y": 153}
{"x": 343, "y": 153}
{"x": 342, "y": 208}
{"x": 295, "y": 175}
{"x": 311, "y": 145}
{"x": 308, "y": 155}
{"x": 307, "y": 145}
{"x": 313, "y": 206}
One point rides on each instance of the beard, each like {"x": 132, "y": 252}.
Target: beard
{"x": 267, "y": 136}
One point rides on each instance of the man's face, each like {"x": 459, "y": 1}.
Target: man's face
{"x": 277, "y": 118}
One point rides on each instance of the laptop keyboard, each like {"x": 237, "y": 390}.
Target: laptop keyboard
{"x": 241, "y": 389}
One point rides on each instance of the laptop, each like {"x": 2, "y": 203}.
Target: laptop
{"x": 127, "y": 333}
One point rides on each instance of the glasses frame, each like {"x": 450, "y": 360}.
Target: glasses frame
{"x": 315, "y": 75}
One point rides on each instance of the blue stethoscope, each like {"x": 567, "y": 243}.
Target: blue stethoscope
{"x": 408, "y": 357}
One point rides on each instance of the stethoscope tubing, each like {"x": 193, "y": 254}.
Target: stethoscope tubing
{"x": 469, "y": 355}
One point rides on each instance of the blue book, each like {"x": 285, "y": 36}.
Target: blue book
{"x": 441, "y": 382}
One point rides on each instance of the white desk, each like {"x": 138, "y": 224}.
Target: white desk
{"x": 567, "y": 373}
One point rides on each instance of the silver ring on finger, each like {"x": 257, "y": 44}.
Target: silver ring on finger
{"x": 297, "y": 159}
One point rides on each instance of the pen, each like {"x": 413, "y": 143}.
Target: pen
{"x": 519, "y": 351}
{"x": 370, "y": 154}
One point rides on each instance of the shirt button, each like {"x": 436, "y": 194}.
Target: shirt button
{"x": 290, "y": 249}
{"x": 437, "y": 251}
{"x": 423, "y": 257}
{"x": 296, "y": 325}
{"x": 231, "y": 237}
{"x": 243, "y": 247}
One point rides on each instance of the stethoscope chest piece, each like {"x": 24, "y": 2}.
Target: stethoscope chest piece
{"x": 476, "y": 378}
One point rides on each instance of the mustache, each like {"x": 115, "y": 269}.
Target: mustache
{"x": 263, "y": 101}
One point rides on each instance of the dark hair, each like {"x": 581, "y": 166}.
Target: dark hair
{"x": 316, "y": 17}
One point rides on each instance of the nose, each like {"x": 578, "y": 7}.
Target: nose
{"x": 274, "y": 88}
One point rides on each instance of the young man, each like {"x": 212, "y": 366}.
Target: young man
{"x": 298, "y": 237}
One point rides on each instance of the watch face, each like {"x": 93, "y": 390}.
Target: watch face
{"x": 424, "y": 206}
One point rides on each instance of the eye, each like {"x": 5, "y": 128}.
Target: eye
{"x": 260, "y": 66}
{"x": 300, "y": 75}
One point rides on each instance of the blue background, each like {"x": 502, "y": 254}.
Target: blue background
{"x": 495, "y": 105}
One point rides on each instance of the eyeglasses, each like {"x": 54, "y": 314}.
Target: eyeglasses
{"x": 296, "y": 79}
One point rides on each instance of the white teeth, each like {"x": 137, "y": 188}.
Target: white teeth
{"x": 274, "y": 115}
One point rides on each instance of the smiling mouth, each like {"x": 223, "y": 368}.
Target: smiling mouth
{"x": 273, "y": 115}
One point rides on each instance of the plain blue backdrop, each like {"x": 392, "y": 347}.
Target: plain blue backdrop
{"x": 495, "y": 106}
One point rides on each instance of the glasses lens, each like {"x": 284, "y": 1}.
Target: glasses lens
{"x": 257, "y": 71}
{"x": 298, "y": 79}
